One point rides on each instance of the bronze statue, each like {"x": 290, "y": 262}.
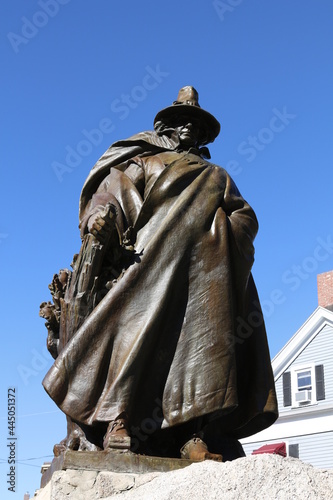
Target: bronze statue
{"x": 148, "y": 352}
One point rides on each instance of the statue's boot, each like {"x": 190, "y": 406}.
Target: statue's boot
{"x": 195, "y": 449}
{"x": 117, "y": 436}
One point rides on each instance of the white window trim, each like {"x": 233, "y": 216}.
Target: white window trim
{"x": 294, "y": 384}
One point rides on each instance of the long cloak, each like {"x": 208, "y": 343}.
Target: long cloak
{"x": 172, "y": 328}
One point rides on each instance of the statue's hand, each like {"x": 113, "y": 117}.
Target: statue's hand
{"x": 102, "y": 223}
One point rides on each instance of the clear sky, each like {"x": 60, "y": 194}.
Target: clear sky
{"x": 76, "y": 76}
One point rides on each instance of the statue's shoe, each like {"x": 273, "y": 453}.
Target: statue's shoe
{"x": 195, "y": 449}
{"x": 117, "y": 436}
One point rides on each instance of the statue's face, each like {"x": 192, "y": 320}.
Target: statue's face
{"x": 188, "y": 132}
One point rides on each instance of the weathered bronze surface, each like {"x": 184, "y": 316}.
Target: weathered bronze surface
{"x": 157, "y": 333}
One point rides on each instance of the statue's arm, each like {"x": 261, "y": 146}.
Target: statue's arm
{"x": 123, "y": 191}
{"x": 243, "y": 222}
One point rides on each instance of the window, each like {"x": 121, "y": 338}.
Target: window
{"x": 304, "y": 380}
{"x": 293, "y": 450}
{"x": 303, "y": 385}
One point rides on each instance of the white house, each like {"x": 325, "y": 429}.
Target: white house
{"x": 303, "y": 373}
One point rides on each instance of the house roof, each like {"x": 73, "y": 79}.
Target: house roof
{"x": 312, "y": 326}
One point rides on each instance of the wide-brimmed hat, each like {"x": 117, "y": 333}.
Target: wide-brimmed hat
{"x": 188, "y": 104}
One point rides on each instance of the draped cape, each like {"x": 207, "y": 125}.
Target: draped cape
{"x": 182, "y": 328}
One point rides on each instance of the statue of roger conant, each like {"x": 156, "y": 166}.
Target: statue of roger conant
{"x": 145, "y": 329}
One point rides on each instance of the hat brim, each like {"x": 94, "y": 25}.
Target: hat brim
{"x": 169, "y": 116}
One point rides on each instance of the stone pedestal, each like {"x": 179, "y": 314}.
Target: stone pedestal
{"x": 112, "y": 461}
{"x": 91, "y": 484}
{"x": 257, "y": 476}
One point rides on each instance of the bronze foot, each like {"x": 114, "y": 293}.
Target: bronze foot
{"x": 195, "y": 449}
{"x": 117, "y": 435}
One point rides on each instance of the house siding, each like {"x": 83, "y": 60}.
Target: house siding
{"x": 320, "y": 352}
{"x": 313, "y": 449}
{"x": 313, "y": 432}
{"x": 279, "y": 394}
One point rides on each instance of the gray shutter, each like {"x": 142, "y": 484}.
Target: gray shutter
{"x": 320, "y": 384}
{"x": 286, "y": 379}
{"x": 294, "y": 450}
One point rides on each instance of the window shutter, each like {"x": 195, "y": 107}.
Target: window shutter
{"x": 294, "y": 450}
{"x": 320, "y": 384}
{"x": 286, "y": 379}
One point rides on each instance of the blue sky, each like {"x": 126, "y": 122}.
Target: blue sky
{"x": 77, "y": 76}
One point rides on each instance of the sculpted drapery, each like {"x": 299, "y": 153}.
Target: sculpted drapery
{"x": 167, "y": 329}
